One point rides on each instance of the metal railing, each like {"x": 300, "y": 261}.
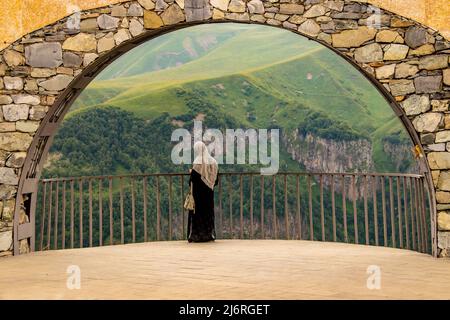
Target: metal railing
{"x": 374, "y": 209}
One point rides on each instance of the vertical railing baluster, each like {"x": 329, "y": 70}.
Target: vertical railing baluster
{"x": 411, "y": 204}
{"x": 344, "y": 208}
{"x": 419, "y": 213}
{"x": 399, "y": 212}
{"x": 383, "y": 203}
{"x": 55, "y": 230}
{"x": 286, "y": 209}
{"x": 72, "y": 213}
{"x": 50, "y": 208}
{"x": 144, "y": 206}
{"x": 90, "y": 212}
{"x": 251, "y": 207}
{"x": 355, "y": 213}
{"x": 63, "y": 221}
{"x": 183, "y": 227}
{"x": 405, "y": 206}
{"x": 44, "y": 198}
{"x": 230, "y": 205}
{"x": 158, "y": 210}
{"x": 416, "y": 201}
{"x": 391, "y": 200}
{"x": 220, "y": 208}
{"x": 111, "y": 216}
{"x": 322, "y": 213}
{"x": 133, "y": 211}
{"x": 80, "y": 209}
{"x": 274, "y": 208}
{"x": 241, "y": 208}
{"x": 425, "y": 227}
{"x": 299, "y": 216}
{"x": 122, "y": 235}
{"x": 333, "y": 208}
{"x": 170, "y": 207}
{"x": 419, "y": 220}
{"x": 262, "y": 207}
{"x": 100, "y": 212}
{"x": 311, "y": 223}
{"x": 375, "y": 208}
{"x": 366, "y": 210}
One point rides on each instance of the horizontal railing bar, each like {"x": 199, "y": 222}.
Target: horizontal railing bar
{"x": 346, "y": 174}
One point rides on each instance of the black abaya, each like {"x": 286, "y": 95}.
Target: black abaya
{"x": 201, "y": 222}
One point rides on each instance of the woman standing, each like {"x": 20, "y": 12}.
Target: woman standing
{"x": 203, "y": 178}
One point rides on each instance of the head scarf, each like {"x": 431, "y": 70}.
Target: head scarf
{"x": 204, "y": 164}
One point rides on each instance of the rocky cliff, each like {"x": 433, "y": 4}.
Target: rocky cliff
{"x": 326, "y": 155}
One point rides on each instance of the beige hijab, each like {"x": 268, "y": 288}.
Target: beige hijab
{"x": 204, "y": 164}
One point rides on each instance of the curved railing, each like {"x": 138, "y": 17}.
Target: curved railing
{"x": 363, "y": 208}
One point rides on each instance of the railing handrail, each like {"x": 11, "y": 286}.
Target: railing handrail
{"x": 295, "y": 173}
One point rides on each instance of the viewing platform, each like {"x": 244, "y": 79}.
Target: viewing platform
{"x": 226, "y": 269}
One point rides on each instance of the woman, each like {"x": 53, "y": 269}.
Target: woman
{"x": 203, "y": 178}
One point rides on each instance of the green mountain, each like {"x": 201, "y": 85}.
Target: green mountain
{"x": 246, "y": 76}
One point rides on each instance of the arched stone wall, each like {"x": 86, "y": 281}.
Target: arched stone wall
{"x": 45, "y": 71}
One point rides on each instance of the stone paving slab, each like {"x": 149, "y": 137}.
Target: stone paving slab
{"x": 226, "y": 269}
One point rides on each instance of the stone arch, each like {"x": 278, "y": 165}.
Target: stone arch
{"x": 42, "y": 73}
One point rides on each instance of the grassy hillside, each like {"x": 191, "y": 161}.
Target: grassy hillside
{"x": 254, "y": 76}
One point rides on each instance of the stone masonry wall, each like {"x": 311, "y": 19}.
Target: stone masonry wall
{"x": 410, "y": 60}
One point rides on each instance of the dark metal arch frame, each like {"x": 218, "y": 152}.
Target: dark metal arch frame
{"x": 42, "y": 140}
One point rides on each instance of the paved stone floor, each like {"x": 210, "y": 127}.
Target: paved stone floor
{"x": 226, "y": 269}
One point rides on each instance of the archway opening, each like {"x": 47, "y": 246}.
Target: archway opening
{"x": 346, "y": 170}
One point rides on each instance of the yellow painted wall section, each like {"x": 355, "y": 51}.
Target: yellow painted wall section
{"x": 19, "y": 17}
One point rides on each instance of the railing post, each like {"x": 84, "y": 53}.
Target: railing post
{"x": 383, "y": 203}
{"x": 100, "y": 213}
{"x": 90, "y": 212}
{"x": 230, "y": 205}
{"x": 333, "y": 208}
{"x": 286, "y": 209}
{"x": 262, "y": 207}
{"x": 241, "y": 208}
{"x": 170, "y": 207}
{"x": 49, "y": 222}
{"x": 399, "y": 210}
{"x": 72, "y": 213}
{"x": 183, "y": 228}
{"x": 220, "y": 231}
{"x": 55, "y": 236}
{"x": 322, "y": 214}
{"x": 63, "y": 222}
{"x": 344, "y": 208}
{"x": 122, "y": 236}
{"x": 375, "y": 208}
{"x": 44, "y": 196}
{"x": 366, "y": 211}
{"x": 133, "y": 212}
{"x": 355, "y": 213}
{"x": 391, "y": 200}
{"x": 274, "y": 207}
{"x": 405, "y": 205}
{"x": 144, "y": 209}
{"x": 425, "y": 229}
{"x": 158, "y": 210}
{"x": 111, "y": 215}
{"x": 299, "y": 216}
{"x": 251, "y": 207}
{"x": 311, "y": 222}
